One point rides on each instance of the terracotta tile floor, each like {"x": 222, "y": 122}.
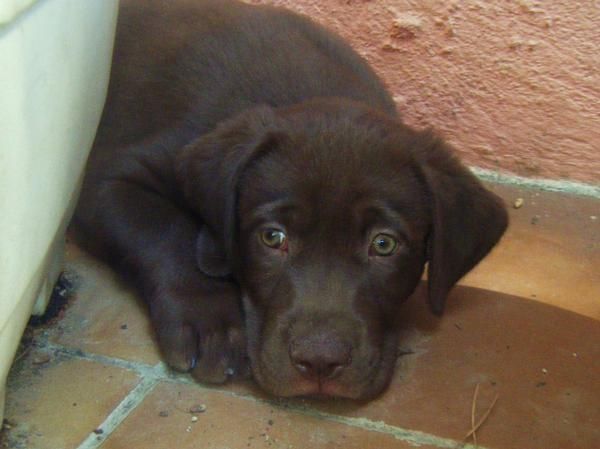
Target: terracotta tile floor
{"x": 525, "y": 326}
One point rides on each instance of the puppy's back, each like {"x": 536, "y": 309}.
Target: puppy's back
{"x": 203, "y": 61}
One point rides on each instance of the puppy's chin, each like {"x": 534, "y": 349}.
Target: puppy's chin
{"x": 274, "y": 373}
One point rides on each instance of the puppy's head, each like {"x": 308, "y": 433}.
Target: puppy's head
{"x": 326, "y": 213}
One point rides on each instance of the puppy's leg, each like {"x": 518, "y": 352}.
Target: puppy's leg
{"x": 147, "y": 237}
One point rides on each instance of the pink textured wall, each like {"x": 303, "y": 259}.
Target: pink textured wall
{"x": 514, "y": 85}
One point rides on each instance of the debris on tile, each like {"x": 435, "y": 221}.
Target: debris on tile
{"x": 98, "y": 431}
{"x": 544, "y": 370}
{"x": 535, "y": 219}
{"x": 124, "y": 326}
{"x": 593, "y": 217}
{"x": 41, "y": 359}
{"x": 189, "y": 429}
{"x": 163, "y": 413}
{"x": 540, "y": 384}
{"x": 518, "y": 203}
{"x": 574, "y": 354}
{"x": 200, "y": 408}
{"x": 194, "y": 418}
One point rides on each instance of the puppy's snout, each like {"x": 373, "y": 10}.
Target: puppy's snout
{"x": 320, "y": 356}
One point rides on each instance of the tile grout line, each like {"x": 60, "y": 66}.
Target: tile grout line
{"x": 143, "y": 369}
{"x": 412, "y": 437}
{"x": 549, "y": 185}
{"x": 151, "y": 375}
{"x": 120, "y": 412}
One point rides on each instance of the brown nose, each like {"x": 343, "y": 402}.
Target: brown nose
{"x": 320, "y": 356}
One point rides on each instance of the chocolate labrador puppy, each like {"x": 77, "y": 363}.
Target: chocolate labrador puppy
{"x": 252, "y": 177}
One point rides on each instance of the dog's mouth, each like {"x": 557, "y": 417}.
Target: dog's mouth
{"x": 325, "y": 390}
{"x": 361, "y": 383}
{"x": 312, "y": 389}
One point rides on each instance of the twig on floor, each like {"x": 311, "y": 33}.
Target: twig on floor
{"x": 473, "y": 410}
{"x": 474, "y": 426}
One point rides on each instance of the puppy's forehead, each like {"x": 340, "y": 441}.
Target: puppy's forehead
{"x": 334, "y": 173}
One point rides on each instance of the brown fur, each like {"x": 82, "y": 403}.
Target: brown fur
{"x": 224, "y": 120}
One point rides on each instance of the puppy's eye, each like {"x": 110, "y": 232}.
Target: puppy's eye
{"x": 383, "y": 245}
{"x": 274, "y": 238}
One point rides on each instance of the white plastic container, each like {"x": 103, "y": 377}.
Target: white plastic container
{"x": 54, "y": 66}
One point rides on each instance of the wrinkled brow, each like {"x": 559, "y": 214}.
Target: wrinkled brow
{"x": 282, "y": 207}
{"x": 379, "y": 213}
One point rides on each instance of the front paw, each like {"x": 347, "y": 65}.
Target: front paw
{"x": 222, "y": 355}
{"x": 200, "y": 330}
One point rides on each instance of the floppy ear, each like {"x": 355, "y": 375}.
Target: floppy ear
{"x": 210, "y": 255}
{"x": 467, "y": 219}
{"x": 208, "y": 171}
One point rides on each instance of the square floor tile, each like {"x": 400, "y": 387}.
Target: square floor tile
{"x": 163, "y": 420}
{"x": 54, "y": 402}
{"x": 550, "y": 252}
{"x": 541, "y": 360}
{"x": 105, "y": 317}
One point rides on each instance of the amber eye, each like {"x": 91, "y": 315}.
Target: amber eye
{"x": 383, "y": 245}
{"x": 274, "y": 238}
